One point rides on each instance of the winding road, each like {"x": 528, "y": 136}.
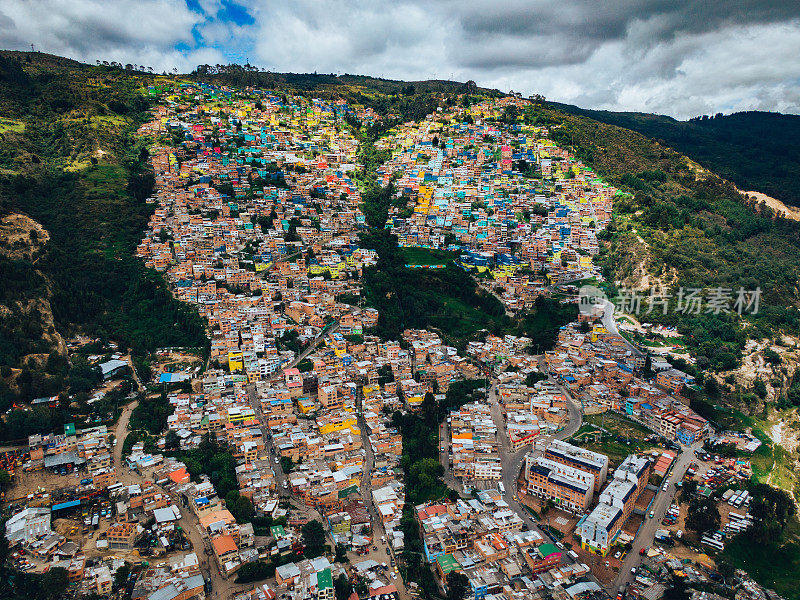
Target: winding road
{"x": 512, "y": 465}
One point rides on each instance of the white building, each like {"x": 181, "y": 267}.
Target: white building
{"x": 28, "y": 525}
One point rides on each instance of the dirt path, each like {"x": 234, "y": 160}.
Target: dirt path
{"x": 121, "y": 431}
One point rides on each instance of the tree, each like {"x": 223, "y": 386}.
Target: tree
{"x": 771, "y": 509}
{"x": 457, "y": 586}
{"x": 703, "y": 516}
{"x": 255, "y": 571}
{"x": 239, "y": 506}
{"x": 689, "y": 490}
{"x": 341, "y": 554}
{"x": 5, "y": 479}
{"x": 676, "y": 590}
{"x": 725, "y": 568}
{"x": 342, "y": 587}
{"x": 534, "y": 377}
{"x": 52, "y": 584}
{"x": 424, "y": 475}
{"x": 172, "y": 441}
{"x": 122, "y": 574}
{"x": 313, "y": 538}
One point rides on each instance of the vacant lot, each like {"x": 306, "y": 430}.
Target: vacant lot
{"x": 613, "y": 435}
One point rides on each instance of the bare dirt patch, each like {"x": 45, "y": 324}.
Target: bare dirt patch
{"x": 779, "y": 207}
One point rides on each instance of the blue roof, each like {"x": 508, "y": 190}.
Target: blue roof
{"x": 64, "y": 505}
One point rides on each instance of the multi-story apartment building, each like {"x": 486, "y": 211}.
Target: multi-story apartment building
{"x": 577, "y": 458}
{"x": 570, "y": 488}
{"x": 599, "y": 529}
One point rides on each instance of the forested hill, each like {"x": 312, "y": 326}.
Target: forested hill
{"x": 73, "y": 187}
{"x": 758, "y": 151}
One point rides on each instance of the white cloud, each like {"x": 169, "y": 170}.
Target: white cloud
{"x": 141, "y": 31}
{"x": 679, "y": 57}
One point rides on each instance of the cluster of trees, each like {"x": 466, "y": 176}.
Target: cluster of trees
{"x": 259, "y": 570}
{"x": 239, "y": 506}
{"x": 458, "y": 587}
{"x": 342, "y": 587}
{"x": 726, "y": 145}
{"x": 543, "y": 322}
{"x": 423, "y": 471}
{"x": 313, "y": 534}
{"x": 703, "y": 516}
{"x": 447, "y": 300}
{"x": 314, "y": 540}
{"x": 420, "y": 460}
{"x": 533, "y": 378}
{"x": 21, "y": 423}
{"x": 151, "y": 414}
{"x": 771, "y": 509}
{"x": 214, "y": 460}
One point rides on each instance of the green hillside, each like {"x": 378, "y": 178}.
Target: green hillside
{"x": 695, "y": 231}
{"x": 70, "y": 162}
{"x": 758, "y": 151}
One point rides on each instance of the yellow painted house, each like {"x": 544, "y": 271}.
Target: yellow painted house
{"x": 340, "y": 423}
{"x": 306, "y": 405}
{"x": 235, "y": 361}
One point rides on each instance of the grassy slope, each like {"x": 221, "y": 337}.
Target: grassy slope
{"x": 426, "y": 256}
{"x": 774, "y": 566}
{"x": 617, "y": 426}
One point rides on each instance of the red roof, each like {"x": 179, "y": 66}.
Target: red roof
{"x": 386, "y": 589}
{"x": 224, "y": 544}
{"x": 179, "y": 475}
{"x": 436, "y": 509}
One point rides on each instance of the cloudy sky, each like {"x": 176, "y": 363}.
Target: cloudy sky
{"x": 677, "y": 57}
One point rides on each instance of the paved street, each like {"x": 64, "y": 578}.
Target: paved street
{"x": 384, "y": 552}
{"x": 511, "y": 462}
{"x": 512, "y": 465}
{"x": 647, "y": 531}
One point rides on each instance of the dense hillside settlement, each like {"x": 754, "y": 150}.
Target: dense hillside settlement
{"x": 344, "y": 436}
